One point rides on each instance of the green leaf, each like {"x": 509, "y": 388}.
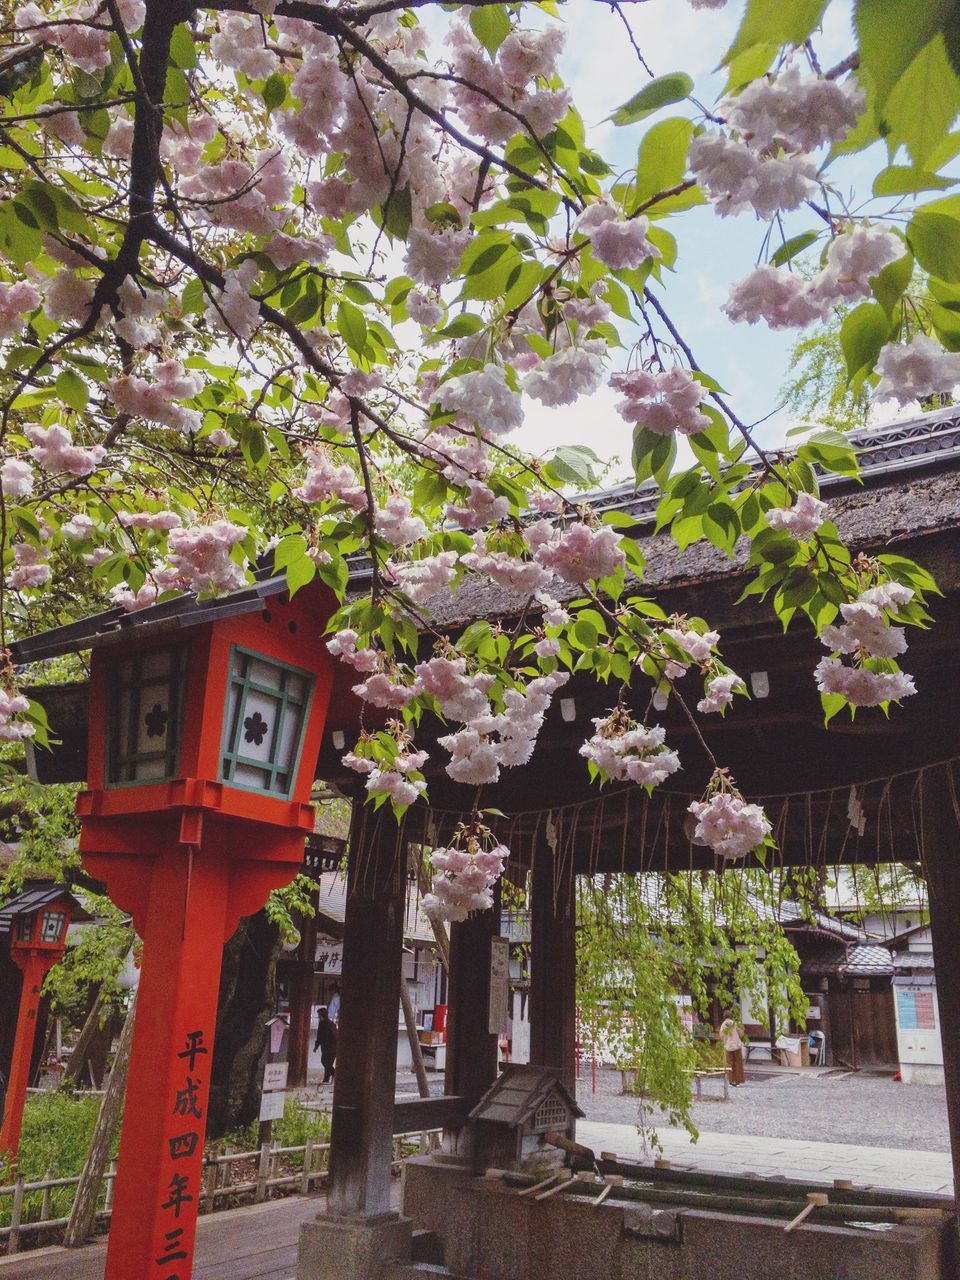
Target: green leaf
{"x": 890, "y": 284}
{"x": 862, "y": 334}
{"x": 660, "y": 92}
{"x": 775, "y": 22}
{"x": 891, "y": 33}
{"x": 183, "y": 52}
{"x": 935, "y": 241}
{"x": 790, "y": 248}
{"x": 904, "y": 180}
{"x": 462, "y": 326}
{"x": 300, "y": 573}
{"x": 274, "y": 91}
{"x": 923, "y": 104}
{"x": 289, "y": 549}
{"x": 353, "y": 326}
{"x": 574, "y": 464}
{"x": 653, "y": 454}
{"x": 491, "y": 25}
{"x": 72, "y": 390}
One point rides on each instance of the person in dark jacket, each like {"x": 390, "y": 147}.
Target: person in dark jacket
{"x": 326, "y": 1042}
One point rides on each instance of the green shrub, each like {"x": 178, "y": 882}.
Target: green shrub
{"x": 57, "y": 1128}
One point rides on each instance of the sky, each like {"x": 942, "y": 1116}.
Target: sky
{"x": 750, "y": 361}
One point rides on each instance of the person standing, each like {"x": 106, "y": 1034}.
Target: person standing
{"x": 333, "y": 1005}
{"x": 733, "y": 1047}
{"x": 326, "y": 1042}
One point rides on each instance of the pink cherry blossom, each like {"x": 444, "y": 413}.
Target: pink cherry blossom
{"x": 663, "y": 402}
{"x": 554, "y": 614}
{"x": 793, "y": 111}
{"x": 581, "y": 552}
{"x": 433, "y": 256}
{"x": 860, "y": 686}
{"x": 78, "y": 528}
{"x": 484, "y": 398}
{"x": 326, "y": 480}
{"x": 150, "y": 520}
{"x": 54, "y": 449}
{"x": 505, "y": 569}
{"x": 621, "y": 749}
{"x": 68, "y": 297}
{"x": 381, "y": 691}
{"x": 12, "y": 706}
{"x": 460, "y": 695}
{"x": 548, "y": 647}
{"x": 16, "y": 301}
{"x": 618, "y": 242}
{"x": 424, "y": 308}
{"x": 737, "y": 179}
{"x": 344, "y": 646}
{"x": 914, "y": 371}
{"x": 16, "y": 478}
{"x": 201, "y": 556}
{"x": 402, "y": 790}
{"x": 698, "y": 645}
{"x": 719, "y": 692}
{"x": 157, "y": 400}
{"x": 853, "y": 259}
{"x": 422, "y": 579}
{"x": 395, "y": 523}
{"x": 801, "y": 520}
{"x": 730, "y": 826}
{"x": 566, "y": 376}
{"x": 31, "y": 568}
{"x": 232, "y": 308}
{"x": 483, "y": 507}
{"x": 779, "y": 298}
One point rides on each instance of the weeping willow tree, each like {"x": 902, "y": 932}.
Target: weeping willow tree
{"x": 647, "y": 941}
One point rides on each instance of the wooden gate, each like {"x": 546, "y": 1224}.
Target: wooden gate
{"x": 863, "y": 1028}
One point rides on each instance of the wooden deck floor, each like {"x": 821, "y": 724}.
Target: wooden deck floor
{"x": 258, "y": 1242}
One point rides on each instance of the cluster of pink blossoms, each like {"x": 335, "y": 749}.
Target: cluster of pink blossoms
{"x": 509, "y": 571}
{"x": 83, "y": 40}
{"x": 422, "y": 579}
{"x": 801, "y": 520}
{"x": 728, "y": 824}
{"x": 232, "y": 308}
{"x": 484, "y": 398}
{"x": 155, "y": 520}
{"x": 490, "y": 741}
{"x": 54, "y": 449}
{"x": 12, "y": 707}
{"x": 719, "y": 692}
{"x": 16, "y": 300}
{"x": 396, "y": 523}
{"x": 16, "y": 478}
{"x": 617, "y": 241}
{"x": 663, "y": 402}
{"x": 327, "y": 479}
{"x": 765, "y": 166}
{"x": 916, "y": 370}
{"x": 566, "y": 376}
{"x": 866, "y": 632}
{"x": 201, "y": 556}
{"x": 162, "y": 578}
{"x": 392, "y": 777}
{"x": 344, "y": 646}
{"x": 30, "y": 566}
{"x": 785, "y": 300}
{"x": 156, "y": 400}
{"x": 465, "y": 876}
{"x": 622, "y": 749}
{"x": 579, "y": 553}
{"x": 698, "y": 645}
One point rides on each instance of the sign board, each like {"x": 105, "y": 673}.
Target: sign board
{"x": 499, "y": 1005}
{"x": 915, "y": 1010}
{"x": 271, "y": 1106}
{"x": 328, "y": 954}
{"x": 275, "y": 1076}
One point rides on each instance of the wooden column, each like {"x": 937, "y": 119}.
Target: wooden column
{"x": 471, "y": 1047}
{"x": 940, "y": 834}
{"x": 365, "y": 1081}
{"x": 553, "y": 971}
{"x": 301, "y": 1004}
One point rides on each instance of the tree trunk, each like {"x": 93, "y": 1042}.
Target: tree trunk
{"x": 81, "y": 1049}
{"x": 83, "y": 1215}
{"x": 409, "y": 1018}
{"x": 247, "y": 990}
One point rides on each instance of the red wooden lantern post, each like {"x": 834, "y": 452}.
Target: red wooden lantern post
{"x": 203, "y": 743}
{"x": 38, "y": 940}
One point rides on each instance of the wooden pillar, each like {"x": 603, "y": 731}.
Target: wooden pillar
{"x": 365, "y": 1081}
{"x": 553, "y": 971}
{"x": 301, "y": 1004}
{"x": 940, "y": 836}
{"x": 471, "y": 1046}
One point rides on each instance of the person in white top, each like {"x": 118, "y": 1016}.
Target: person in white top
{"x": 733, "y": 1047}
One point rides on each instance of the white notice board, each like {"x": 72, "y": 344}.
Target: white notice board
{"x": 499, "y": 985}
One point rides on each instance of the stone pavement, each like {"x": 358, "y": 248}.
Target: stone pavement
{"x": 924, "y": 1171}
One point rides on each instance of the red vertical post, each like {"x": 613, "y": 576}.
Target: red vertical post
{"x": 158, "y": 1187}
{"x": 34, "y": 968}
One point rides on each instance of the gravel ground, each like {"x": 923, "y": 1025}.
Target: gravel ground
{"x": 868, "y": 1110}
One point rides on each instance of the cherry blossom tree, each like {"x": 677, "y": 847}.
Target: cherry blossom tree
{"x": 255, "y": 254}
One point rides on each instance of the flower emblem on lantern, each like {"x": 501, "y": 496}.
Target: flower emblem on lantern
{"x": 256, "y": 728}
{"x": 156, "y": 721}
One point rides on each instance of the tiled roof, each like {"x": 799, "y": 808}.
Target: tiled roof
{"x": 913, "y": 960}
{"x": 864, "y": 960}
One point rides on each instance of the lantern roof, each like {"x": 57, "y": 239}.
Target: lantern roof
{"x": 34, "y": 898}
{"x": 517, "y": 1093}
{"x": 930, "y": 442}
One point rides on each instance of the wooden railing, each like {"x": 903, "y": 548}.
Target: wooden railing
{"x": 33, "y": 1203}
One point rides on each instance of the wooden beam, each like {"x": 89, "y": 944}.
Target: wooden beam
{"x": 471, "y": 1047}
{"x": 553, "y": 969}
{"x": 413, "y": 1115}
{"x": 939, "y": 823}
{"x": 363, "y": 1096}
